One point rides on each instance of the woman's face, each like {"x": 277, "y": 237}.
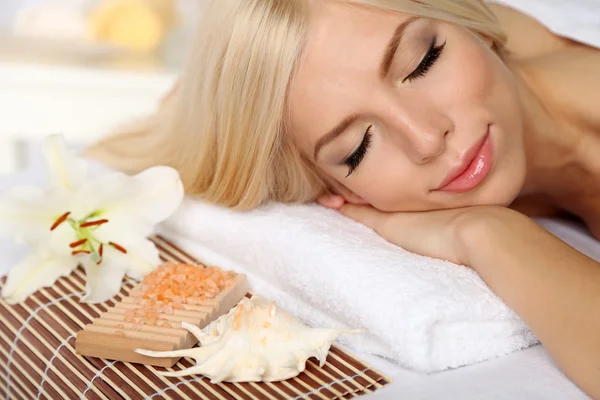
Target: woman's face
{"x": 405, "y": 113}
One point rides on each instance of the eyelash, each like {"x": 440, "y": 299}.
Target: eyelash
{"x": 355, "y": 158}
{"x": 430, "y": 58}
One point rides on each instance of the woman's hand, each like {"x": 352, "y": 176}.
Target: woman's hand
{"x": 433, "y": 233}
{"x": 438, "y": 234}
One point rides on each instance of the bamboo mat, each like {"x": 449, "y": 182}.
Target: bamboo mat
{"x": 38, "y": 360}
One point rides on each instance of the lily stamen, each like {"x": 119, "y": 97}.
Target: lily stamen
{"x": 100, "y": 251}
{"x": 60, "y": 220}
{"x": 76, "y": 252}
{"x": 78, "y": 243}
{"x": 93, "y": 223}
{"x": 118, "y": 247}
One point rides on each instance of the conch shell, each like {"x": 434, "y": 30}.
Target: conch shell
{"x": 256, "y": 341}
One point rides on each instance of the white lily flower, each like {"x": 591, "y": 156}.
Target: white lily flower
{"x": 101, "y": 223}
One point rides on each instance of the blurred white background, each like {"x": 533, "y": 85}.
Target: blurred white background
{"x": 82, "y": 67}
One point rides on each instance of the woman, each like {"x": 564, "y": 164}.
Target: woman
{"x": 402, "y": 113}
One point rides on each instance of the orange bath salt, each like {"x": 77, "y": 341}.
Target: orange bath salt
{"x": 171, "y": 285}
{"x": 139, "y": 312}
{"x": 151, "y": 315}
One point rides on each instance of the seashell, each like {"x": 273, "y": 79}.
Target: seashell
{"x": 255, "y": 341}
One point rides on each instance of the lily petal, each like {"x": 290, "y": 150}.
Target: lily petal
{"x": 143, "y": 259}
{"x": 35, "y": 271}
{"x": 136, "y": 203}
{"x": 27, "y": 213}
{"x": 103, "y": 281}
{"x": 66, "y": 170}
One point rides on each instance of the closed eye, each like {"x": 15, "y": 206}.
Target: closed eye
{"x": 354, "y": 160}
{"x": 433, "y": 54}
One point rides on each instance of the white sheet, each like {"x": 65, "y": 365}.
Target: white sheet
{"x": 529, "y": 374}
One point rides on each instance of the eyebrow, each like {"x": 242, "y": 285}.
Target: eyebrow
{"x": 392, "y": 46}
{"x": 334, "y": 133}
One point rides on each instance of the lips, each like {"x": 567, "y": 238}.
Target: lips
{"x": 473, "y": 168}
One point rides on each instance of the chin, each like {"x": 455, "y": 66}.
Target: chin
{"x": 502, "y": 188}
{"x": 498, "y": 198}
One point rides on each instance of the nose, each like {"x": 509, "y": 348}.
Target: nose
{"x": 420, "y": 128}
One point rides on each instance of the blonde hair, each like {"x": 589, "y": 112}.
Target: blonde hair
{"x": 224, "y": 128}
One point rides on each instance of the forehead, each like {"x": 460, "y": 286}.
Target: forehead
{"x": 338, "y": 67}
{"x": 340, "y": 62}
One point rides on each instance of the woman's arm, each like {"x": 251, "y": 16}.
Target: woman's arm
{"x": 551, "y": 286}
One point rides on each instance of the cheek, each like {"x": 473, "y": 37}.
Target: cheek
{"x": 474, "y": 72}
{"x": 493, "y": 87}
{"x": 389, "y": 182}
{"x": 480, "y": 88}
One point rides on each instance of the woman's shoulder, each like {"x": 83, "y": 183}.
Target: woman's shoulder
{"x": 564, "y": 72}
{"x": 526, "y": 36}
{"x": 568, "y": 81}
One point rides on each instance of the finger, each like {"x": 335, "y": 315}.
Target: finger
{"x": 366, "y": 215}
{"x": 388, "y": 226}
{"x": 331, "y": 201}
